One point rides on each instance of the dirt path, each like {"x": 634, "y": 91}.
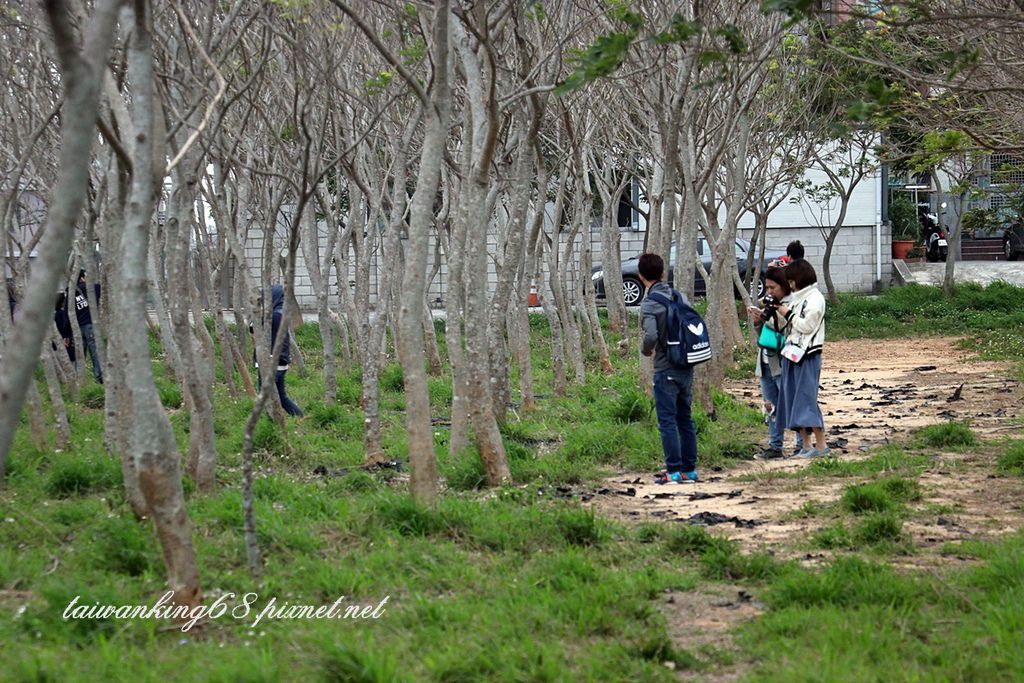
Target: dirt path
{"x": 872, "y": 392}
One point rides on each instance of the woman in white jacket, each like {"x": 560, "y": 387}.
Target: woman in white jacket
{"x": 798, "y": 388}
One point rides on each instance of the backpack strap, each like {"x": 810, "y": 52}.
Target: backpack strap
{"x": 662, "y": 328}
{"x": 661, "y": 298}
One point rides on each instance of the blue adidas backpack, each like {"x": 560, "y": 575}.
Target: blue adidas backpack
{"x": 687, "y": 341}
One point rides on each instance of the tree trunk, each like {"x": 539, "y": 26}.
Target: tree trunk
{"x": 422, "y": 458}
{"x": 60, "y": 413}
{"x": 152, "y": 437}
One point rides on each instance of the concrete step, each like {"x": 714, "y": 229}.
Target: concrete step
{"x": 981, "y": 249}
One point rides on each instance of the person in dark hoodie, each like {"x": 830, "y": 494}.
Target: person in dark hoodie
{"x": 277, "y": 315}
{"x": 85, "y": 323}
{"x": 63, "y": 323}
{"x": 673, "y": 386}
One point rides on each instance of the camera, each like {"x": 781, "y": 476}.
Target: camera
{"x": 770, "y": 304}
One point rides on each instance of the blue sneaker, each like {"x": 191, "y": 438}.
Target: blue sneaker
{"x": 676, "y": 477}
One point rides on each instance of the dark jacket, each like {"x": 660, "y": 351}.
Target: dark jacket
{"x": 63, "y": 323}
{"x": 654, "y": 320}
{"x": 82, "y": 304}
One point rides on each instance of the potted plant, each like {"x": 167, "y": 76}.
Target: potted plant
{"x": 905, "y": 227}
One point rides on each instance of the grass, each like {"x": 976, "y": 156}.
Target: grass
{"x": 950, "y": 436}
{"x": 1011, "y": 460}
{"x": 507, "y": 583}
{"x": 503, "y": 584}
{"x": 859, "y": 620}
{"x": 889, "y": 460}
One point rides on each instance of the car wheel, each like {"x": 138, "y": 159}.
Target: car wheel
{"x": 760, "y": 287}
{"x": 632, "y": 290}
{"x": 1011, "y": 255}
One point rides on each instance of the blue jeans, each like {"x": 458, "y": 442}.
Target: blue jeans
{"x": 770, "y": 391}
{"x": 286, "y": 403}
{"x": 89, "y": 339}
{"x": 673, "y": 393}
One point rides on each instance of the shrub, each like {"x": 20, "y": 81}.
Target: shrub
{"x": 903, "y": 217}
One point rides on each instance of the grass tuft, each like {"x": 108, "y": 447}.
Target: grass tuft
{"x": 1011, "y": 460}
{"x": 951, "y": 436}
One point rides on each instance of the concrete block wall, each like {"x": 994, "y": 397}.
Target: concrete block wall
{"x": 854, "y": 267}
{"x": 854, "y": 256}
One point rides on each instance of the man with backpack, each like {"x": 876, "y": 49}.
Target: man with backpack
{"x": 677, "y": 337}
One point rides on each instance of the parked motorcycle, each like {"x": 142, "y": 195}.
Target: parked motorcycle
{"x": 936, "y": 247}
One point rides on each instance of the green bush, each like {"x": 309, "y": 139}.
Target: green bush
{"x": 903, "y": 217}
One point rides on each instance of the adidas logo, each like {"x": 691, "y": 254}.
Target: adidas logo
{"x": 697, "y": 329}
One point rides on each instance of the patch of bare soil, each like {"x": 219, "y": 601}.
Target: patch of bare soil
{"x": 702, "y": 621}
{"x": 871, "y": 392}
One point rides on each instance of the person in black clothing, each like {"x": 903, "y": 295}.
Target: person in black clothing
{"x": 63, "y": 323}
{"x": 85, "y": 323}
{"x": 795, "y": 250}
{"x": 277, "y": 306}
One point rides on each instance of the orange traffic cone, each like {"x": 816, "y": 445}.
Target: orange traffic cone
{"x": 533, "y": 300}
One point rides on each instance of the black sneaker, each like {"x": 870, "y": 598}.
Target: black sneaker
{"x": 770, "y": 454}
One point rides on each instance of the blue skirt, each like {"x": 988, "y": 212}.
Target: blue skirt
{"x": 798, "y": 394}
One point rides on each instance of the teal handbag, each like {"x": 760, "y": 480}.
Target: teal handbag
{"x": 771, "y": 339}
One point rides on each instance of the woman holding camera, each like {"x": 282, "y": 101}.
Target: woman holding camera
{"x": 769, "y": 365}
{"x": 801, "y": 359}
